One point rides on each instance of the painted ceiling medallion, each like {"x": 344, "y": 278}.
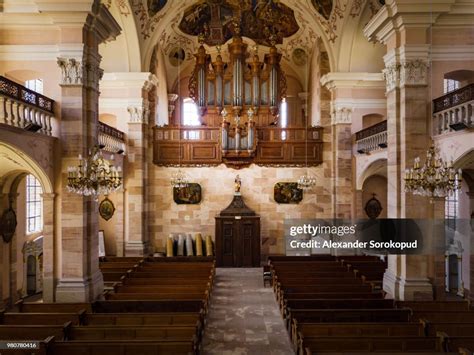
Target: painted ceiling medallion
{"x": 258, "y": 20}
{"x": 323, "y": 7}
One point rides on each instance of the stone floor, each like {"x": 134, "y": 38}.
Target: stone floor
{"x": 244, "y": 317}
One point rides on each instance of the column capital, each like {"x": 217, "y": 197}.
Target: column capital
{"x": 341, "y": 115}
{"x": 138, "y": 114}
{"x": 71, "y": 71}
{"x": 48, "y": 196}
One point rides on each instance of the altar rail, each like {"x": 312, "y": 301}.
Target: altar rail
{"x": 201, "y": 146}
{"x": 454, "y": 111}
{"x": 372, "y": 138}
{"x": 23, "y": 108}
{"x": 111, "y": 139}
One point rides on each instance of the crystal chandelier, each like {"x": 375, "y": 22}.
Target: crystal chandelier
{"x": 94, "y": 175}
{"x": 434, "y": 179}
{"x": 179, "y": 179}
{"x": 306, "y": 182}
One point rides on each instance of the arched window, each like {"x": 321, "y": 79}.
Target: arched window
{"x": 450, "y": 85}
{"x": 34, "y": 205}
{"x": 190, "y": 113}
{"x": 35, "y": 85}
{"x": 451, "y": 211}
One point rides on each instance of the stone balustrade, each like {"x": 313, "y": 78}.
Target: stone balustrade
{"x": 24, "y": 108}
{"x": 454, "y": 111}
{"x": 111, "y": 139}
{"x": 372, "y": 138}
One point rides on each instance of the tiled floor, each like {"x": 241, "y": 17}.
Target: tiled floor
{"x": 244, "y": 317}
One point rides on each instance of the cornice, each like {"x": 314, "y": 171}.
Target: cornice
{"x": 397, "y": 14}
{"x": 41, "y": 52}
{"x": 338, "y": 80}
{"x": 134, "y": 80}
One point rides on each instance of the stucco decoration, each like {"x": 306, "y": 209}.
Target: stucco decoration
{"x": 258, "y": 19}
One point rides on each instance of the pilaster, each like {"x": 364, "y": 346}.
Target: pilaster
{"x": 80, "y": 278}
{"x": 49, "y": 262}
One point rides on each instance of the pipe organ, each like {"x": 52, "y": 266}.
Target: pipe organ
{"x": 238, "y": 106}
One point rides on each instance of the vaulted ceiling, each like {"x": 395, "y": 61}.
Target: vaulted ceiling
{"x": 167, "y": 30}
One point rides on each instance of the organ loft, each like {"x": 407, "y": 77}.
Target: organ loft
{"x": 236, "y": 177}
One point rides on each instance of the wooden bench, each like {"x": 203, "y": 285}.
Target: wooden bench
{"x": 147, "y": 306}
{"x": 444, "y": 316}
{"x": 161, "y": 288}
{"x": 32, "y": 332}
{"x": 30, "y": 307}
{"x": 453, "y": 343}
{"x": 177, "y": 333}
{"x": 369, "y": 344}
{"x": 339, "y": 304}
{"x": 458, "y": 329}
{"x": 435, "y": 305}
{"x": 142, "y": 319}
{"x": 356, "y": 329}
{"x": 124, "y": 347}
{"x": 349, "y": 315}
{"x": 41, "y": 318}
{"x": 156, "y": 296}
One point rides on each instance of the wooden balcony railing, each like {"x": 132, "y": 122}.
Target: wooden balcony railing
{"x": 198, "y": 146}
{"x": 24, "y": 108}
{"x": 454, "y": 111}
{"x": 111, "y": 139}
{"x": 372, "y": 138}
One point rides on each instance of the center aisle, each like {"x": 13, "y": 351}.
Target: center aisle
{"x": 244, "y": 317}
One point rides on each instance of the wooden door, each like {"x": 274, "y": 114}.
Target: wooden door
{"x": 228, "y": 242}
{"x": 246, "y": 232}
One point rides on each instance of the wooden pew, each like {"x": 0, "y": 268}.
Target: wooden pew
{"x": 124, "y": 347}
{"x": 156, "y": 296}
{"x": 339, "y": 304}
{"x": 167, "y": 332}
{"x": 369, "y": 344}
{"x": 33, "y": 332}
{"x": 458, "y": 329}
{"x": 142, "y": 319}
{"x": 161, "y": 288}
{"x": 460, "y": 306}
{"x": 30, "y": 307}
{"x": 41, "y": 318}
{"x": 147, "y": 306}
{"x": 444, "y": 316}
{"x": 153, "y": 281}
{"x": 356, "y": 329}
{"x": 322, "y": 257}
{"x": 349, "y": 315}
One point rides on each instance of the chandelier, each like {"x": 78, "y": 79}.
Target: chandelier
{"x": 306, "y": 182}
{"x": 434, "y": 179}
{"x": 179, "y": 179}
{"x": 94, "y": 175}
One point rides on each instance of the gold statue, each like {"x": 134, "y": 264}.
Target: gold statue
{"x": 237, "y": 185}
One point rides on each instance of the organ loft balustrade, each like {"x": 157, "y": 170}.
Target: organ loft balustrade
{"x": 23, "y": 108}
{"x": 111, "y": 139}
{"x": 372, "y": 138}
{"x": 453, "y": 111}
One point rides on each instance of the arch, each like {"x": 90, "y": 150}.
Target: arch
{"x": 460, "y": 75}
{"x": 371, "y": 119}
{"x": 10, "y": 157}
{"x": 377, "y": 167}
{"x": 465, "y": 161}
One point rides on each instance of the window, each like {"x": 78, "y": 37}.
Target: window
{"x": 35, "y": 85}
{"x": 190, "y": 113}
{"x": 450, "y": 85}
{"x": 451, "y": 209}
{"x": 284, "y": 113}
{"x": 34, "y": 205}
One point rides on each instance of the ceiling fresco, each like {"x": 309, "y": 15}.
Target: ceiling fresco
{"x": 258, "y": 19}
{"x": 323, "y": 7}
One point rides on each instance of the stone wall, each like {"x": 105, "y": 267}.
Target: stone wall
{"x": 217, "y": 184}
